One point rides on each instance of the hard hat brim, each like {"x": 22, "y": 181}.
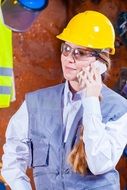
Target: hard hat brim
{"x": 90, "y": 29}
{"x": 17, "y": 17}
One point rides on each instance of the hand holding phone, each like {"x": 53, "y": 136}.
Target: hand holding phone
{"x": 98, "y": 64}
{"x": 90, "y": 80}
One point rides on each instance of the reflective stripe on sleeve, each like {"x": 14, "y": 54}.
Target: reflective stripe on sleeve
{"x": 5, "y": 71}
{"x": 5, "y": 90}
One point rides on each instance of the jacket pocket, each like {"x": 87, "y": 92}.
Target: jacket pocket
{"x": 39, "y": 151}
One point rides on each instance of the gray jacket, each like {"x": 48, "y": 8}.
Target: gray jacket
{"x": 47, "y": 148}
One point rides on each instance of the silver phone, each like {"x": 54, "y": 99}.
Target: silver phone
{"x": 102, "y": 66}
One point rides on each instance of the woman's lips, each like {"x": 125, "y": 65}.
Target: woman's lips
{"x": 70, "y": 68}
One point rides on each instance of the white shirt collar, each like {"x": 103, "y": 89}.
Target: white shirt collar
{"x": 68, "y": 95}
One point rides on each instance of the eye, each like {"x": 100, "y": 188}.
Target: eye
{"x": 82, "y": 52}
{"x": 67, "y": 48}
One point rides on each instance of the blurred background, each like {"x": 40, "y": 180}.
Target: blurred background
{"x": 36, "y": 55}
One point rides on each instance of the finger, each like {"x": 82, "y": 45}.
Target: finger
{"x": 79, "y": 76}
{"x": 96, "y": 74}
{"x": 83, "y": 81}
{"x": 90, "y": 76}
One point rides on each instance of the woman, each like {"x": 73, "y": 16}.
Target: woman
{"x": 72, "y": 134}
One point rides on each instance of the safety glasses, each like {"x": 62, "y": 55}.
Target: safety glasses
{"x": 79, "y": 54}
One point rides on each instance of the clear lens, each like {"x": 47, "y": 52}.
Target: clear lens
{"x": 78, "y": 53}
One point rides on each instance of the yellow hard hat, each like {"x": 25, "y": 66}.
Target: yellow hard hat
{"x": 90, "y": 29}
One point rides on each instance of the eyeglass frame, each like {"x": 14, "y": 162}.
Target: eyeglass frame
{"x": 92, "y": 53}
{"x": 95, "y": 53}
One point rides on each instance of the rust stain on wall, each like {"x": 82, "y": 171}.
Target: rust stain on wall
{"x": 36, "y": 57}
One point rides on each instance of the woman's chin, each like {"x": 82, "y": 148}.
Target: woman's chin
{"x": 71, "y": 78}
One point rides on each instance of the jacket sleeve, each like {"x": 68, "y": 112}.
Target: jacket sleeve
{"x": 16, "y": 151}
{"x": 104, "y": 142}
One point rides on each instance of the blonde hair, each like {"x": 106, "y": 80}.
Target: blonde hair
{"x": 77, "y": 156}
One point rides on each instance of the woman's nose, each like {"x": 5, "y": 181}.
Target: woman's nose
{"x": 71, "y": 57}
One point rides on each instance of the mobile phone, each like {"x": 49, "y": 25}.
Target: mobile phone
{"x": 102, "y": 66}
{"x": 98, "y": 64}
